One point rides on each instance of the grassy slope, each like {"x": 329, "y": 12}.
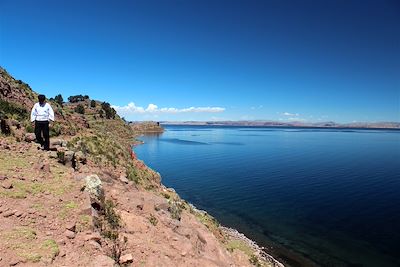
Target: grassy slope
{"x": 106, "y": 143}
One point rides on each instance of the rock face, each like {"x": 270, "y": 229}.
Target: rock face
{"x": 93, "y": 187}
{"x": 69, "y": 158}
{"x": 96, "y": 194}
{"x": 80, "y": 159}
{"x": 146, "y": 127}
{"x": 15, "y": 91}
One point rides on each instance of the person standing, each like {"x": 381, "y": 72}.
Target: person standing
{"x": 42, "y": 113}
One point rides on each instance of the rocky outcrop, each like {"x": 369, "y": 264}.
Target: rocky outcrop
{"x": 30, "y": 137}
{"x": 146, "y": 127}
{"x": 96, "y": 195}
{"x": 15, "y": 91}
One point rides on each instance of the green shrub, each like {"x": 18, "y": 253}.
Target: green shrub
{"x": 153, "y": 220}
{"x": 59, "y": 99}
{"x": 52, "y": 246}
{"x": 77, "y": 98}
{"x": 80, "y": 109}
{"x": 111, "y": 224}
{"x": 93, "y": 104}
{"x": 29, "y": 128}
{"x": 55, "y": 130}
{"x": 111, "y": 216}
{"x": 175, "y": 210}
{"x": 61, "y": 156}
{"x": 132, "y": 174}
{"x": 12, "y": 110}
{"x": 109, "y": 111}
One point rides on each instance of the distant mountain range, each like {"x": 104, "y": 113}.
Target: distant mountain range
{"x": 328, "y": 124}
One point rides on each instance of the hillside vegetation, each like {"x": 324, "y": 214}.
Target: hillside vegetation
{"x": 90, "y": 202}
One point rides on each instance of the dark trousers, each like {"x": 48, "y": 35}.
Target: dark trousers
{"x": 42, "y": 128}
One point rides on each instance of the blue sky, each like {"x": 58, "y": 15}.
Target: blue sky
{"x": 212, "y": 60}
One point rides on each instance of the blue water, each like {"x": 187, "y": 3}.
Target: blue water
{"x": 332, "y": 196}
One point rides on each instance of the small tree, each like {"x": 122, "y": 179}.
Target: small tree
{"x": 59, "y": 99}
{"x": 76, "y": 98}
{"x": 110, "y": 112}
{"x": 93, "y": 104}
{"x": 80, "y": 109}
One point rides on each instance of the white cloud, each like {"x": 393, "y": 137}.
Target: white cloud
{"x": 290, "y": 114}
{"x": 131, "y": 108}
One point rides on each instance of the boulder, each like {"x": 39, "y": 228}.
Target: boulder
{"x": 94, "y": 245}
{"x": 6, "y": 185}
{"x": 69, "y": 234}
{"x": 69, "y": 155}
{"x": 9, "y": 213}
{"x": 94, "y": 187}
{"x": 80, "y": 157}
{"x": 66, "y": 157}
{"x": 124, "y": 179}
{"x": 94, "y": 237}
{"x": 30, "y": 137}
{"x": 96, "y": 194}
{"x": 14, "y": 261}
{"x": 127, "y": 258}
{"x": 71, "y": 226}
{"x": 56, "y": 142}
{"x": 53, "y": 154}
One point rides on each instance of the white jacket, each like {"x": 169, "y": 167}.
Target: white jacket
{"x": 42, "y": 113}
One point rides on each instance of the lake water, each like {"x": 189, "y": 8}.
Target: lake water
{"x": 332, "y": 196}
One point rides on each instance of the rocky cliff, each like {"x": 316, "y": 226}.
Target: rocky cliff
{"x": 90, "y": 202}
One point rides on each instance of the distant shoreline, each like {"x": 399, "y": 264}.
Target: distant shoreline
{"x": 261, "y": 125}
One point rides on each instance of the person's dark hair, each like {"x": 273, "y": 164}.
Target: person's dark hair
{"x": 41, "y": 99}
